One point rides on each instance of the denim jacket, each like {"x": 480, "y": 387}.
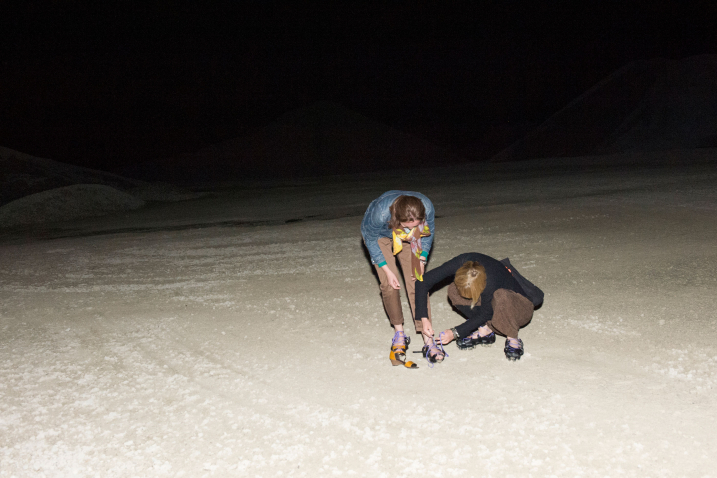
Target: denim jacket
{"x": 375, "y": 223}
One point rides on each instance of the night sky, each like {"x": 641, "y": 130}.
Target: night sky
{"x": 111, "y": 84}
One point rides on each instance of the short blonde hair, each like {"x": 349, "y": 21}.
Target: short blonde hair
{"x": 470, "y": 281}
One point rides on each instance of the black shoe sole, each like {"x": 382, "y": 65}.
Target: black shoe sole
{"x": 465, "y": 345}
{"x": 513, "y": 354}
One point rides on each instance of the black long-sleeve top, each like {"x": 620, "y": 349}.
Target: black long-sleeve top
{"x": 497, "y": 277}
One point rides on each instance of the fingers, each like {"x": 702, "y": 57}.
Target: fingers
{"x": 393, "y": 281}
{"x": 447, "y": 337}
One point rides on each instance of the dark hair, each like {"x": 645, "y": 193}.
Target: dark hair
{"x": 406, "y": 209}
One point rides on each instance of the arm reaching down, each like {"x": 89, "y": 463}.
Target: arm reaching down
{"x": 433, "y": 277}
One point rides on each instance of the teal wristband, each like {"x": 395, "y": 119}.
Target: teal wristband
{"x": 383, "y": 263}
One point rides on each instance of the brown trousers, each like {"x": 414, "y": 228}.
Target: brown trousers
{"x": 391, "y": 297}
{"x": 511, "y": 310}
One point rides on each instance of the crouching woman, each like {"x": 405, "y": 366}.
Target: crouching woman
{"x": 488, "y": 295}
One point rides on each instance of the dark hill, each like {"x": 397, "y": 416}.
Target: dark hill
{"x": 322, "y": 139}
{"x": 22, "y": 174}
{"x": 645, "y": 106}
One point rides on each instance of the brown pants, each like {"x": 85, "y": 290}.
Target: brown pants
{"x": 391, "y": 297}
{"x": 511, "y": 310}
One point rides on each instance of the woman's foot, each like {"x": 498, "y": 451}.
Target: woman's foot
{"x": 432, "y": 354}
{"x": 399, "y": 344}
{"x": 398, "y": 348}
{"x": 432, "y": 351}
{"x": 400, "y": 339}
{"x": 513, "y": 348}
{"x": 483, "y": 336}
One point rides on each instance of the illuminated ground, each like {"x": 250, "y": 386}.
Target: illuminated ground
{"x": 253, "y": 346}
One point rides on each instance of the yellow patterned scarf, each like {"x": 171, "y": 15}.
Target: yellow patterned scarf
{"x": 414, "y": 237}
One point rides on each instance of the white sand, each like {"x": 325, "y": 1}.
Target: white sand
{"x": 263, "y": 351}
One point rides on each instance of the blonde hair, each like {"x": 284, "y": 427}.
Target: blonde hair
{"x": 470, "y": 281}
{"x": 406, "y": 209}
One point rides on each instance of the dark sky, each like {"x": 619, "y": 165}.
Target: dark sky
{"x": 109, "y": 84}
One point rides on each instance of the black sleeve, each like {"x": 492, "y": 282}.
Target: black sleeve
{"x": 468, "y": 313}
{"x": 433, "y": 277}
{"x": 476, "y": 317}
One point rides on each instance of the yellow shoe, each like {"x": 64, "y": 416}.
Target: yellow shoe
{"x": 398, "y": 350}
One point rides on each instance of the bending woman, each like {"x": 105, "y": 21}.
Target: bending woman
{"x": 392, "y": 221}
{"x": 485, "y": 292}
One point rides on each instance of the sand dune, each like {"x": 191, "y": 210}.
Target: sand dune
{"x": 645, "y": 106}
{"x": 319, "y": 140}
{"x": 37, "y": 190}
{"x": 66, "y": 204}
{"x": 23, "y": 174}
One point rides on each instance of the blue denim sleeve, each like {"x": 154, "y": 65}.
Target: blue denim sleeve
{"x": 431, "y": 221}
{"x": 373, "y": 223}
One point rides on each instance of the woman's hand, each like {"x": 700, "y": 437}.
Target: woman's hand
{"x": 392, "y": 279}
{"x": 447, "y": 336}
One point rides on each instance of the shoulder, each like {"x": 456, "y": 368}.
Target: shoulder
{"x": 474, "y": 256}
{"x": 384, "y": 200}
{"x": 390, "y": 195}
{"x": 491, "y": 265}
{"x": 452, "y": 265}
{"x": 394, "y": 193}
{"x": 420, "y": 196}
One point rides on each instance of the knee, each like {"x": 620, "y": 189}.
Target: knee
{"x": 501, "y": 295}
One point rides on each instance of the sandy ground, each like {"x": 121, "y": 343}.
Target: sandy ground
{"x": 199, "y": 343}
